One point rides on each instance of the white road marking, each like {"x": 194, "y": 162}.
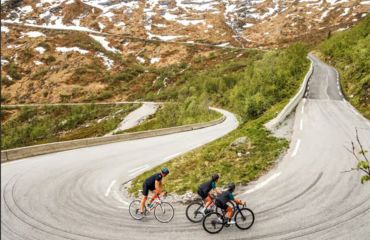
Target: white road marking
{"x": 143, "y": 168}
{"x": 109, "y": 188}
{"x": 301, "y": 125}
{"x": 172, "y": 156}
{"x": 135, "y": 169}
{"x": 117, "y": 197}
{"x": 296, "y": 148}
{"x": 262, "y": 184}
{"x": 302, "y": 109}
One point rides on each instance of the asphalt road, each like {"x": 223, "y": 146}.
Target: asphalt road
{"x": 136, "y": 117}
{"x": 75, "y": 194}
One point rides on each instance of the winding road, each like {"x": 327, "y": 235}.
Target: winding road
{"x": 75, "y": 194}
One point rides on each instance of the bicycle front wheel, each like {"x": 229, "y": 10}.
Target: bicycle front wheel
{"x": 164, "y": 212}
{"x": 134, "y": 210}
{"x": 193, "y": 212}
{"x": 244, "y": 218}
{"x": 213, "y": 223}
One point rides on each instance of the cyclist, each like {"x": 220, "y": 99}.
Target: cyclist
{"x": 205, "y": 189}
{"x": 152, "y": 183}
{"x": 224, "y": 198}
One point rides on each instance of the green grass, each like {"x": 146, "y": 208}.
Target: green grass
{"x": 349, "y": 52}
{"x": 255, "y": 86}
{"x": 178, "y": 114}
{"x": 36, "y": 125}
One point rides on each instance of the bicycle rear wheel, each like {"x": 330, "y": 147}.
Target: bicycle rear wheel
{"x": 213, "y": 223}
{"x": 134, "y": 210}
{"x": 193, "y": 212}
{"x": 164, "y": 212}
{"x": 244, "y": 218}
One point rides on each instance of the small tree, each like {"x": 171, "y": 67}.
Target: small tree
{"x": 360, "y": 155}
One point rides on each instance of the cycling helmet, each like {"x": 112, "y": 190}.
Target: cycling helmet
{"x": 165, "y": 170}
{"x": 231, "y": 187}
{"x": 215, "y": 177}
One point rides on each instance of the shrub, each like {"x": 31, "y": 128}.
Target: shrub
{"x": 14, "y": 71}
{"x": 40, "y": 74}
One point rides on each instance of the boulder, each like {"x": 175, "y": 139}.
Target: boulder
{"x": 239, "y": 142}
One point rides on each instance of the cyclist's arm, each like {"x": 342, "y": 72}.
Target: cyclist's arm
{"x": 158, "y": 186}
{"x": 217, "y": 191}
{"x": 238, "y": 201}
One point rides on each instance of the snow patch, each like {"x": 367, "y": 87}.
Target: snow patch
{"x": 33, "y": 34}
{"x": 40, "y": 50}
{"x": 155, "y": 60}
{"x": 104, "y": 43}
{"x": 26, "y": 9}
{"x": 163, "y": 38}
{"x": 4, "y": 62}
{"x": 71, "y": 49}
{"x": 107, "y": 61}
{"x": 38, "y": 63}
{"x": 140, "y": 59}
{"x": 4, "y": 29}
{"x": 190, "y": 22}
{"x": 346, "y": 11}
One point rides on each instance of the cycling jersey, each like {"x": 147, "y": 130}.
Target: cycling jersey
{"x": 206, "y": 187}
{"x": 150, "y": 182}
{"x": 225, "y": 197}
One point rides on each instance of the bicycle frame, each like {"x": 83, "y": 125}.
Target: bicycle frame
{"x": 157, "y": 201}
{"x": 235, "y": 207}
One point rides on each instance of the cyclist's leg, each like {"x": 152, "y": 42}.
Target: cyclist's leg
{"x": 203, "y": 196}
{"x": 145, "y": 197}
{"x": 155, "y": 194}
{"x": 208, "y": 201}
{"x": 222, "y": 206}
{"x": 230, "y": 213}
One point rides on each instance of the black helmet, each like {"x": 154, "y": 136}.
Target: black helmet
{"x": 215, "y": 177}
{"x": 165, "y": 171}
{"x": 231, "y": 187}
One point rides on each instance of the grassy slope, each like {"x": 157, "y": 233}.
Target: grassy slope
{"x": 349, "y": 52}
{"x": 255, "y": 86}
{"x": 30, "y": 126}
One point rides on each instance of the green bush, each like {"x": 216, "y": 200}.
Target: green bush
{"x": 349, "y": 52}
{"x": 49, "y": 59}
{"x": 36, "y": 125}
{"x": 5, "y": 81}
{"x": 14, "y": 71}
{"x": 178, "y": 114}
{"x": 39, "y": 74}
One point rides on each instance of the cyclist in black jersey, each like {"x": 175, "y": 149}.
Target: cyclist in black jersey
{"x": 225, "y": 197}
{"x": 205, "y": 189}
{"x": 152, "y": 183}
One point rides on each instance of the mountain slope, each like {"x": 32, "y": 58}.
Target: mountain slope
{"x": 94, "y": 50}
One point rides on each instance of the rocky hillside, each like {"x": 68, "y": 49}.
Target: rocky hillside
{"x": 94, "y": 50}
{"x": 233, "y": 22}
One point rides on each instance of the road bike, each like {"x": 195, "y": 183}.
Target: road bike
{"x": 163, "y": 211}
{"x": 193, "y": 212}
{"x": 214, "y": 222}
